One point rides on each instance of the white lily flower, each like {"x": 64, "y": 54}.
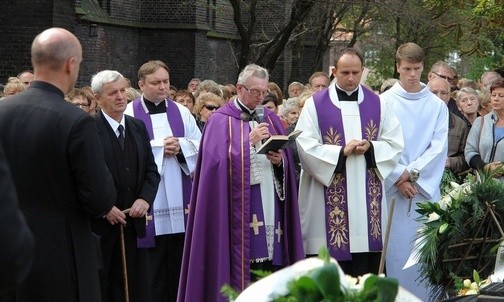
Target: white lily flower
{"x": 454, "y": 184}
{"x": 433, "y": 217}
{"x": 445, "y": 202}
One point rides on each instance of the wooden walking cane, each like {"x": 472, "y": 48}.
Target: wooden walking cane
{"x": 387, "y": 235}
{"x": 124, "y": 265}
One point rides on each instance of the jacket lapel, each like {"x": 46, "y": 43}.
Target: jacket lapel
{"x": 105, "y": 132}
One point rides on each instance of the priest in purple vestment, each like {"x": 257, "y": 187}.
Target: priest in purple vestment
{"x": 351, "y": 141}
{"x": 243, "y": 209}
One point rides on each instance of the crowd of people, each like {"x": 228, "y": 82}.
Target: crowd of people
{"x": 159, "y": 193}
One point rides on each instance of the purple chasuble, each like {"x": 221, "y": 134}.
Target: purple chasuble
{"x": 177, "y": 126}
{"x": 336, "y": 201}
{"x": 219, "y": 245}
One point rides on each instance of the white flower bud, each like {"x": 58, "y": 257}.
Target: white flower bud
{"x": 467, "y": 283}
{"x": 474, "y": 286}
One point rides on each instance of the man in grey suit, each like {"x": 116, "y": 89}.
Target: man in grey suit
{"x": 60, "y": 174}
{"x": 128, "y": 155}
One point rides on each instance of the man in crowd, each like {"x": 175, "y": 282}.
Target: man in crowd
{"x": 60, "y": 174}
{"x": 25, "y": 77}
{"x": 128, "y": 155}
{"x": 174, "y": 138}
{"x": 357, "y": 140}
{"x": 244, "y": 212}
{"x": 318, "y": 81}
{"x": 457, "y": 130}
{"x": 444, "y": 71}
{"x": 424, "y": 120}
{"x": 193, "y": 84}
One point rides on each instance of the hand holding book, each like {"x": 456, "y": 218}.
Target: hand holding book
{"x": 277, "y": 142}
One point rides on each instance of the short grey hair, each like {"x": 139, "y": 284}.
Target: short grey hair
{"x": 288, "y": 105}
{"x": 252, "y": 70}
{"x": 466, "y": 90}
{"x": 104, "y": 77}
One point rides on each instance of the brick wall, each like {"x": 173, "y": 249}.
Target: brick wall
{"x": 196, "y": 38}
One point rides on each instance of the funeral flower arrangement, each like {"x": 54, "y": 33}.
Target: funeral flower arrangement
{"x": 461, "y": 232}
{"x": 314, "y": 280}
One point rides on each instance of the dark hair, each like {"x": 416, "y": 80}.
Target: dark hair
{"x": 497, "y": 83}
{"x": 348, "y": 51}
{"x": 270, "y": 97}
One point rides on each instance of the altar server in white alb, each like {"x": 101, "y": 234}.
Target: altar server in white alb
{"x": 175, "y": 139}
{"x": 424, "y": 119}
{"x": 350, "y": 142}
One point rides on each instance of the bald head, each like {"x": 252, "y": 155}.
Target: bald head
{"x": 56, "y": 56}
{"x": 440, "y": 87}
{"x": 53, "y": 47}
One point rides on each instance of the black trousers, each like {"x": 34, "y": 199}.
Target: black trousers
{"x": 112, "y": 273}
{"x": 161, "y": 267}
{"x": 361, "y": 263}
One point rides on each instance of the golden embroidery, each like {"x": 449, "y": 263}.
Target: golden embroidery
{"x": 332, "y": 137}
{"x": 374, "y": 192}
{"x": 371, "y": 131}
{"x": 338, "y": 230}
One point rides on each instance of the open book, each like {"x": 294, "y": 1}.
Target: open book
{"x": 277, "y": 142}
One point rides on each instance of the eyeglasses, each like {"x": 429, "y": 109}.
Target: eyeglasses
{"x": 212, "y": 107}
{"x": 256, "y": 92}
{"x": 81, "y": 105}
{"x": 449, "y": 79}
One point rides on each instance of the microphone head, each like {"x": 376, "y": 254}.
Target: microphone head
{"x": 259, "y": 110}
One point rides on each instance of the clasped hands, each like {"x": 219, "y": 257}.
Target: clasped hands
{"x": 137, "y": 210}
{"x": 171, "y": 146}
{"x": 356, "y": 147}
{"x": 262, "y": 132}
{"x": 405, "y": 186}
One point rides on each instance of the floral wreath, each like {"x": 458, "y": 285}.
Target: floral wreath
{"x": 461, "y": 233}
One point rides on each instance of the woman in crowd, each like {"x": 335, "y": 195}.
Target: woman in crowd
{"x": 12, "y": 87}
{"x": 171, "y": 93}
{"x": 468, "y": 104}
{"x": 271, "y": 102}
{"x": 132, "y": 94}
{"x": 485, "y": 145}
{"x": 186, "y": 98}
{"x": 83, "y": 98}
{"x": 275, "y": 89}
{"x": 208, "y": 86}
{"x": 206, "y": 104}
{"x": 289, "y": 112}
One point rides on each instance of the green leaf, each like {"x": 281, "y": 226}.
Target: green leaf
{"x": 324, "y": 255}
{"x": 327, "y": 280}
{"x": 304, "y": 289}
{"x": 476, "y": 277}
{"x": 378, "y": 289}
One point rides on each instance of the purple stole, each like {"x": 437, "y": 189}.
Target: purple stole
{"x": 177, "y": 126}
{"x": 245, "y": 203}
{"x": 336, "y": 201}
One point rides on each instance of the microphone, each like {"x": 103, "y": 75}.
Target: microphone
{"x": 259, "y": 110}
